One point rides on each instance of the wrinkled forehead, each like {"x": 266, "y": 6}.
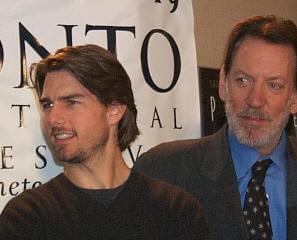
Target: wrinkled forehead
{"x": 256, "y": 49}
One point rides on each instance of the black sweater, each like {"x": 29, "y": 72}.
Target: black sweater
{"x": 144, "y": 209}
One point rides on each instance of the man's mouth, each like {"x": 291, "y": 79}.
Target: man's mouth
{"x": 255, "y": 116}
{"x": 254, "y": 120}
{"x": 62, "y": 134}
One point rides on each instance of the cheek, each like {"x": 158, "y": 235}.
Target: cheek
{"x": 237, "y": 99}
{"x": 47, "y": 132}
{"x": 45, "y": 124}
{"x": 277, "y": 107}
{"x": 89, "y": 122}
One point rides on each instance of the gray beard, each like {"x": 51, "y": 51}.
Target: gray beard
{"x": 249, "y": 135}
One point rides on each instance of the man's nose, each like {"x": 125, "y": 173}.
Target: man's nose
{"x": 55, "y": 116}
{"x": 256, "y": 97}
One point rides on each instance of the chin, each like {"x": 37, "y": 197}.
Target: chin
{"x": 65, "y": 157}
{"x": 73, "y": 160}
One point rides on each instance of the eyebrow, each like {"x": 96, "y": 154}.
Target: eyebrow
{"x": 62, "y": 98}
{"x": 241, "y": 72}
{"x": 272, "y": 78}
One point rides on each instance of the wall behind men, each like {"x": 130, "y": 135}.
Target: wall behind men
{"x": 214, "y": 20}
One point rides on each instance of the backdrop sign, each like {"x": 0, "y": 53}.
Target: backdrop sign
{"x": 153, "y": 39}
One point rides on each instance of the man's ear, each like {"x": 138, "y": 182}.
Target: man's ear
{"x": 222, "y": 84}
{"x": 293, "y": 108}
{"x": 116, "y": 113}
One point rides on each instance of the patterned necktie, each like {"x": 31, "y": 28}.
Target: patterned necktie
{"x": 255, "y": 210}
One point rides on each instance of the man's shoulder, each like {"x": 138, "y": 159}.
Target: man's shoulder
{"x": 180, "y": 146}
{"x": 176, "y": 154}
{"x": 165, "y": 193}
{"x": 159, "y": 187}
{"x": 175, "y": 150}
{"x": 187, "y": 146}
{"x": 32, "y": 198}
{"x": 178, "y": 161}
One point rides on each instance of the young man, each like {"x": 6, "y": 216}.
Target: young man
{"x": 224, "y": 170}
{"x": 89, "y": 116}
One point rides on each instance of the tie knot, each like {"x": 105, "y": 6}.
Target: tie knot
{"x": 260, "y": 167}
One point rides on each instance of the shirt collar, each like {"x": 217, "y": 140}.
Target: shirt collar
{"x": 244, "y": 156}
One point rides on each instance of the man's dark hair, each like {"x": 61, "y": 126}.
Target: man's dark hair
{"x": 101, "y": 73}
{"x": 268, "y": 28}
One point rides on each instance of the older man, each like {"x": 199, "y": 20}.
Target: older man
{"x": 246, "y": 173}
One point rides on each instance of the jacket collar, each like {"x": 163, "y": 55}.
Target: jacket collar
{"x": 217, "y": 156}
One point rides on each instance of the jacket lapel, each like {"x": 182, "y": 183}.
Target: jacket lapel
{"x": 218, "y": 168}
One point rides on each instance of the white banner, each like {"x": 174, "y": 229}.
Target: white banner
{"x": 153, "y": 39}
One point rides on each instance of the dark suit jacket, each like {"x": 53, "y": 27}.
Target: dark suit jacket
{"x": 204, "y": 167}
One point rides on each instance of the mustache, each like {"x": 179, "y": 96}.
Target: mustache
{"x": 59, "y": 130}
{"x": 255, "y": 113}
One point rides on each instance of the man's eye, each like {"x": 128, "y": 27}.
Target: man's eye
{"x": 46, "y": 105}
{"x": 71, "y": 102}
{"x": 275, "y": 85}
{"x": 242, "y": 81}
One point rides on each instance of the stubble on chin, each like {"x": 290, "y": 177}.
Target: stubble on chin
{"x": 65, "y": 157}
{"x": 80, "y": 154}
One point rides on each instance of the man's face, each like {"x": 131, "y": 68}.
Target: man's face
{"x": 74, "y": 120}
{"x": 259, "y": 92}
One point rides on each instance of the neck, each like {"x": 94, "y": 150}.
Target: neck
{"x": 105, "y": 170}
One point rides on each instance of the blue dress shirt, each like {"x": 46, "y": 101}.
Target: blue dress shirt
{"x": 275, "y": 182}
